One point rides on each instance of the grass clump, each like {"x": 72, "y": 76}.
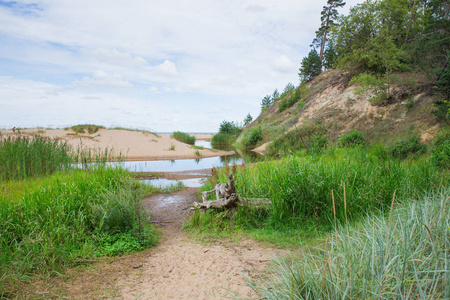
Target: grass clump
{"x": 441, "y": 150}
{"x": 404, "y": 148}
{"x": 352, "y": 139}
{"x": 404, "y": 256}
{"x": 184, "y": 137}
{"x": 64, "y": 219}
{"x": 22, "y": 157}
{"x": 90, "y": 128}
{"x": 306, "y": 136}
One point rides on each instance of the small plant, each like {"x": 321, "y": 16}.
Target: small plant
{"x": 184, "y": 137}
{"x": 403, "y": 148}
{"x": 352, "y": 139}
{"x": 197, "y": 153}
{"x": 172, "y": 147}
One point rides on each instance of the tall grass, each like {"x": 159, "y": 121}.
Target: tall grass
{"x": 89, "y": 127}
{"x": 66, "y": 218}
{"x": 184, "y": 137}
{"x": 302, "y": 188}
{"x": 22, "y": 157}
{"x": 403, "y": 256}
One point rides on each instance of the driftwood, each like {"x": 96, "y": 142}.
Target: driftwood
{"x": 227, "y": 198}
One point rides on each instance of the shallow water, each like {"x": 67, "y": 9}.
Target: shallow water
{"x": 164, "y": 183}
{"x": 177, "y": 165}
{"x": 204, "y": 144}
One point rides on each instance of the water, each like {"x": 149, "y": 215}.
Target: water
{"x": 204, "y": 144}
{"x": 164, "y": 183}
{"x": 178, "y": 165}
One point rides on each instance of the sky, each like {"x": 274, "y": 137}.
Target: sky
{"x": 158, "y": 65}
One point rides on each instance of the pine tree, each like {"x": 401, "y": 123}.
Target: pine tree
{"x": 328, "y": 15}
{"x": 311, "y": 66}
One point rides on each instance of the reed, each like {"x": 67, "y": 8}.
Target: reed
{"x": 365, "y": 262}
{"x": 22, "y": 157}
{"x": 184, "y": 137}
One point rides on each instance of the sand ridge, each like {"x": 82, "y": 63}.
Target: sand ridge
{"x": 128, "y": 144}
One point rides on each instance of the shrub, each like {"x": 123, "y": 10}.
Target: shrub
{"x": 352, "y": 139}
{"x": 403, "y": 148}
{"x": 254, "y": 137}
{"x": 184, "y": 137}
{"x": 441, "y": 150}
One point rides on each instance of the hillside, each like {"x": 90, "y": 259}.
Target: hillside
{"x": 332, "y": 102}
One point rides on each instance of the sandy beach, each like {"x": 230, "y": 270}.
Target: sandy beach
{"x": 128, "y": 144}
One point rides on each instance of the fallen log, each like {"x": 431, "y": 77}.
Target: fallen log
{"x": 227, "y": 198}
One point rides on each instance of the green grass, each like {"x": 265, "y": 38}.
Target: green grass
{"x": 308, "y": 192}
{"x": 184, "y": 137}
{"x": 22, "y": 157}
{"x": 67, "y": 218}
{"x": 401, "y": 256}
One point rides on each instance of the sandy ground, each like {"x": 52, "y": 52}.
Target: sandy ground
{"x": 129, "y": 144}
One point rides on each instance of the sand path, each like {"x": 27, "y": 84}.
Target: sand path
{"x": 181, "y": 269}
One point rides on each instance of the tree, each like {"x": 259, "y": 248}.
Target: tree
{"x": 311, "y": 66}
{"x": 330, "y": 56}
{"x": 328, "y": 16}
{"x": 266, "y": 101}
{"x": 248, "y": 119}
{"x": 275, "y": 94}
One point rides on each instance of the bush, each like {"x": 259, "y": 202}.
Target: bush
{"x": 184, "y": 137}
{"x": 441, "y": 150}
{"x": 404, "y": 148}
{"x": 352, "y": 139}
{"x": 254, "y": 137}
{"x": 305, "y": 136}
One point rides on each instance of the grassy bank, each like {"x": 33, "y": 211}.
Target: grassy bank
{"x": 309, "y": 192}
{"x": 402, "y": 256}
{"x": 50, "y": 223}
{"x": 53, "y": 215}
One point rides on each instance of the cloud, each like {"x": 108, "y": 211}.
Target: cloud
{"x": 283, "y": 64}
{"x": 167, "y": 68}
{"x": 101, "y": 78}
{"x": 115, "y": 57}
{"x": 255, "y": 8}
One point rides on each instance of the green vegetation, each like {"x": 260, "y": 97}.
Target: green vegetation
{"x": 410, "y": 146}
{"x": 250, "y": 140}
{"x": 22, "y": 157}
{"x": 441, "y": 150}
{"x": 405, "y": 254}
{"x": 306, "y": 136}
{"x": 184, "y": 137}
{"x": 53, "y": 215}
{"x": 352, "y": 139}
{"x": 89, "y": 127}
{"x": 228, "y": 132}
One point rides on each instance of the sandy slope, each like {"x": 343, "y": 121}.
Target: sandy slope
{"x": 131, "y": 145}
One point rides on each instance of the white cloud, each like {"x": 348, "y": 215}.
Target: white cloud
{"x": 167, "y": 68}
{"x": 283, "y": 64}
{"x": 115, "y": 57}
{"x": 206, "y": 52}
{"x": 101, "y": 78}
